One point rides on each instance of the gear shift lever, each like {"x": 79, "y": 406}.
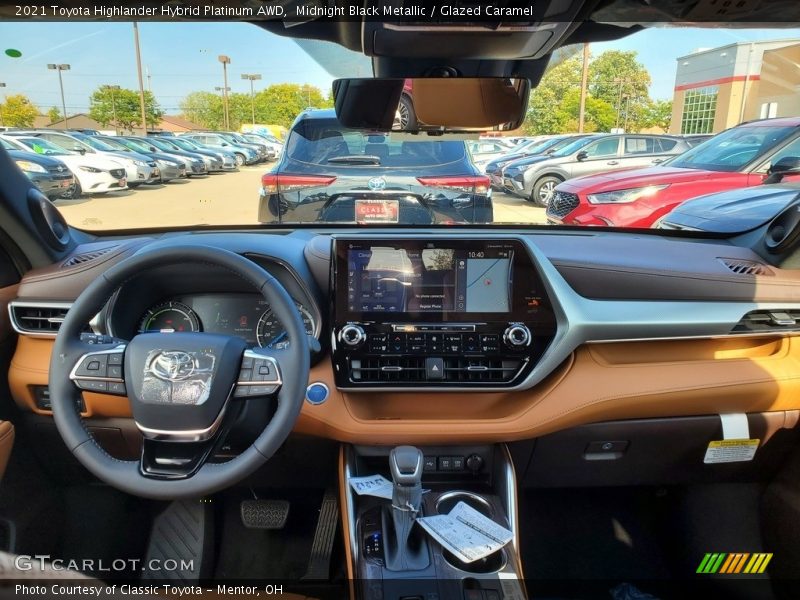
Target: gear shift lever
{"x": 406, "y": 550}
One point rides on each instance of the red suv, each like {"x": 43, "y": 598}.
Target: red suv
{"x": 738, "y": 157}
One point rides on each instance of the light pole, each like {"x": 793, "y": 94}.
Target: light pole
{"x": 225, "y": 60}
{"x": 113, "y": 89}
{"x": 224, "y": 91}
{"x": 2, "y": 85}
{"x": 252, "y": 77}
{"x": 59, "y": 68}
{"x": 139, "y": 71}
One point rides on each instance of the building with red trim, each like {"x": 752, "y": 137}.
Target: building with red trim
{"x": 718, "y": 88}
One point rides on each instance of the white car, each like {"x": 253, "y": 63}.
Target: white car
{"x": 95, "y": 174}
{"x": 138, "y": 168}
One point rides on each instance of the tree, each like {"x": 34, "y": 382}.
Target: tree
{"x": 658, "y": 113}
{"x": 203, "y": 108}
{"x": 18, "y": 111}
{"x": 623, "y": 82}
{"x": 107, "y": 103}
{"x": 542, "y": 116}
{"x": 276, "y": 104}
{"x": 280, "y": 103}
{"x": 54, "y": 115}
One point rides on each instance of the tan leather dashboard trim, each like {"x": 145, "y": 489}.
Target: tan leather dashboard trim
{"x": 6, "y": 444}
{"x": 600, "y": 382}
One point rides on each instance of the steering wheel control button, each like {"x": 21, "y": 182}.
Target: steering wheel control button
{"x": 93, "y": 365}
{"x": 92, "y": 385}
{"x": 434, "y": 368}
{"x": 258, "y": 376}
{"x": 317, "y": 393}
{"x": 117, "y": 388}
{"x": 115, "y": 358}
{"x": 517, "y": 335}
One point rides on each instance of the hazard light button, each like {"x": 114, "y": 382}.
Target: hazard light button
{"x": 434, "y": 368}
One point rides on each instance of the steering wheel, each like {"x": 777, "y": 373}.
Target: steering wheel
{"x": 182, "y": 387}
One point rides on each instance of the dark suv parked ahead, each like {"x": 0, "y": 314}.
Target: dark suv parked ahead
{"x": 334, "y": 174}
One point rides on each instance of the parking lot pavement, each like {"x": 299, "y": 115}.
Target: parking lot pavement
{"x": 220, "y": 199}
{"x": 510, "y": 209}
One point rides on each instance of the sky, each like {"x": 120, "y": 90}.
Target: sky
{"x": 181, "y": 57}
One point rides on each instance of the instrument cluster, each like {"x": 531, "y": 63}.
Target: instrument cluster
{"x": 245, "y": 315}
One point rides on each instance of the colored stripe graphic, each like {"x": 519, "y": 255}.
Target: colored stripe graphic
{"x": 734, "y": 563}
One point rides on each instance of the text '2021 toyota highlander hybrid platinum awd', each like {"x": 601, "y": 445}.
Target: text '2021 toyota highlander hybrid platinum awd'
{"x": 352, "y": 358}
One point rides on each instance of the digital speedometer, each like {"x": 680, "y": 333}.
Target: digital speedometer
{"x": 169, "y": 317}
{"x": 270, "y": 332}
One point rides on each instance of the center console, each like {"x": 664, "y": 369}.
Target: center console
{"x": 480, "y": 476}
{"x": 436, "y": 313}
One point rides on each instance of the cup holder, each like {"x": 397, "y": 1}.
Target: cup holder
{"x": 447, "y": 502}
{"x": 489, "y": 564}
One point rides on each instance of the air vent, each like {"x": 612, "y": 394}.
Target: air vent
{"x": 38, "y": 319}
{"x": 745, "y": 267}
{"x": 769, "y": 321}
{"x": 411, "y": 370}
{"x": 85, "y": 257}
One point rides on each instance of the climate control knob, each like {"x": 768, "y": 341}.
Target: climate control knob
{"x": 517, "y": 335}
{"x": 352, "y": 335}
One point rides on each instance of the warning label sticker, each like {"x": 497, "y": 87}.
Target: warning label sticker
{"x": 725, "y": 451}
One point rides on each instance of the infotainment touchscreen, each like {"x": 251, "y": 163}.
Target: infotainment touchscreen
{"x": 420, "y": 279}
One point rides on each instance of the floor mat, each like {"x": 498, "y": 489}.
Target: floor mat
{"x": 581, "y": 543}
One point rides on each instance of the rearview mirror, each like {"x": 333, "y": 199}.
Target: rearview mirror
{"x": 451, "y": 104}
{"x": 79, "y": 149}
{"x": 582, "y": 155}
{"x": 787, "y": 165}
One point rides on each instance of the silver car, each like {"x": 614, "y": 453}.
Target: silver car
{"x": 536, "y": 177}
{"x": 139, "y": 169}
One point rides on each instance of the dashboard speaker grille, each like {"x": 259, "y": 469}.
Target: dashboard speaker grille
{"x": 745, "y": 267}
{"x": 84, "y": 257}
{"x": 411, "y": 369}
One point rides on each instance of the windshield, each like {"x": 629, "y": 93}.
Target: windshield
{"x": 136, "y": 145}
{"x": 92, "y": 141}
{"x": 6, "y": 145}
{"x": 733, "y": 149}
{"x": 160, "y": 144}
{"x": 571, "y": 146}
{"x": 40, "y": 146}
{"x": 116, "y": 145}
{"x": 603, "y": 131}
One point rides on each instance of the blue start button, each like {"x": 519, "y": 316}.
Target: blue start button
{"x": 317, "y": 393}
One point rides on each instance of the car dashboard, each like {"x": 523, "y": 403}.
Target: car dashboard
{"x": 459, "y": 336}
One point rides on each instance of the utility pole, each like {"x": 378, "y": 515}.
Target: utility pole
{"x": 59, "y": 68}
{"x": 225, "y": 60}
{"x": 252, "y": 77}
{"x": 621, "y": 82}
{"x": 2, "y": 85}
{"x": 139, "y": 72}
{"x": 113, "y": 89}
{"x": 584, "y": 85}
{"x": 627, "y": 110}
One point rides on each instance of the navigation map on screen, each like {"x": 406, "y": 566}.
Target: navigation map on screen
{"x": 385, "y": 279}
